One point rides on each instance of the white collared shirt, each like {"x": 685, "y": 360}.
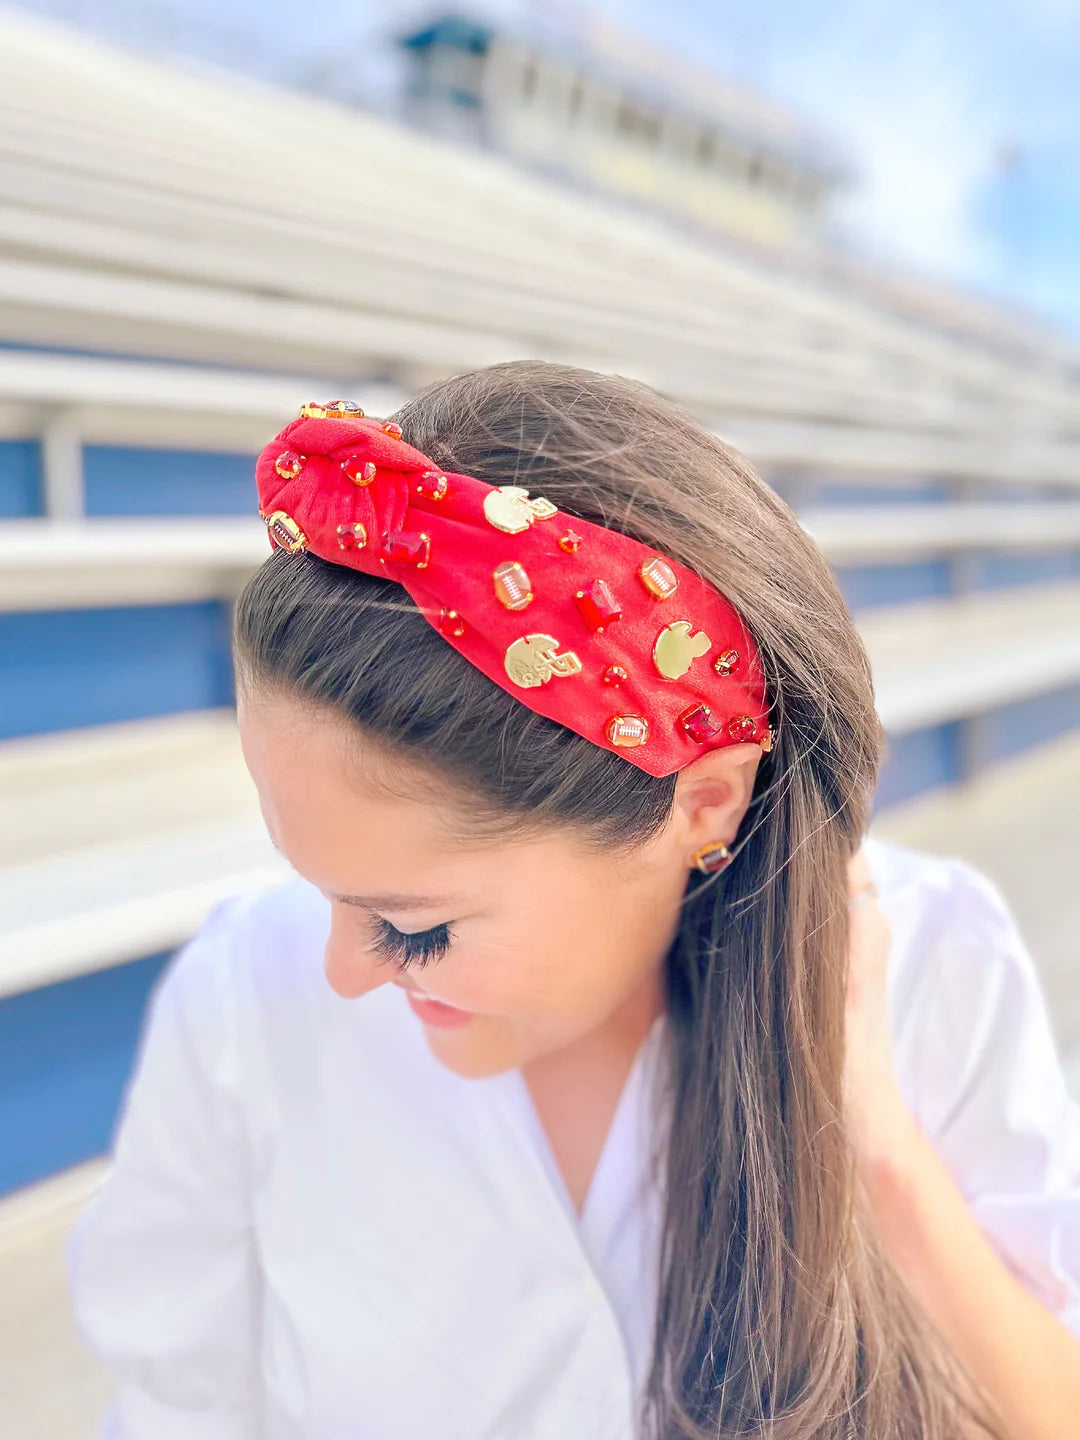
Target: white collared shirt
{"x": 312, "y": 1229}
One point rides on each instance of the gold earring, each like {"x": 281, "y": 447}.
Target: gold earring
{"x": 712, "y": 857}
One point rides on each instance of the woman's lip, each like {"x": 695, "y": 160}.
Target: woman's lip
{"x": 435, "y": 1012}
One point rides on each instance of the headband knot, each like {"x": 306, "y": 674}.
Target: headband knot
{"x": 582, "y": 624}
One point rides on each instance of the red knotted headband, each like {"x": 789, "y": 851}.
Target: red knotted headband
{"x": 582, "y": 624}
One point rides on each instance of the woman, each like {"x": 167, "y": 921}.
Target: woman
{"x": 561, "y": 719}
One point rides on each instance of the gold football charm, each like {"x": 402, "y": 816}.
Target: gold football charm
{"x": 533, "y": 659}
{"x": 510, "y": 510}
{"x": 286, "y": 531}
{"x": 627, "y": 732}
{"x": 658, "y": 578}
{"x": 676, "y": 649}
{"x": 512, "y": 585}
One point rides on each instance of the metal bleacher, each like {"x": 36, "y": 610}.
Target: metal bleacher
{"x": 183, "y": 261}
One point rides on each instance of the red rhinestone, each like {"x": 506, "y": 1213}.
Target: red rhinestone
{"x": 289, "y": 464}
{"x": 410, "y": 547}
{"x": 598, "y": 605}
{"x": 725, "y": 663}
{"x": 741, "y": 727}
{"x": 698, "y": 723}
{"x": 432, "y": 485}
{"x": 627, "y": 731}
{"x": 570, "y": 541}
{"x": 359, "y": 470}
{"x": 614, "y": 675}
{"x": 451, "y": 623}
{"x": 393, "y": 429}
{"x": 352, "y": 536}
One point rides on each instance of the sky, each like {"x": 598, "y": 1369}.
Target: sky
{"x": 960, "y": 118}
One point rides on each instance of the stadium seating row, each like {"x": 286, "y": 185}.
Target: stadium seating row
{"x": 238, "y": 237}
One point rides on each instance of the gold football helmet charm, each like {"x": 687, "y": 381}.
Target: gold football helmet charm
{"x": 510, "y": 510}
{"x": 533, "y": 659}
{"x": 676, "y": 649}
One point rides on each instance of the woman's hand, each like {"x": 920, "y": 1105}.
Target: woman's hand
{"x": 1024, "y": 1358}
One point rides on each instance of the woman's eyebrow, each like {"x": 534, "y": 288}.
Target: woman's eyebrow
{"x": 393, "y": 901}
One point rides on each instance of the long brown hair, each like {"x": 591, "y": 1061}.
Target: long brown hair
{"x": 779, "y": 1313}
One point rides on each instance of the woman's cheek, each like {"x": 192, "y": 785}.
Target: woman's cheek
{"x": 499, "y": 979}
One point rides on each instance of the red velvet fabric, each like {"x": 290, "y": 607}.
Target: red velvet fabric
{"x": 464, "y": 550}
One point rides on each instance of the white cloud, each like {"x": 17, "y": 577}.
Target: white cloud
{"x": 921, "y": 136}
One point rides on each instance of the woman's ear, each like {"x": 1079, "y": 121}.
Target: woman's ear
{"x": 712, "y": 793}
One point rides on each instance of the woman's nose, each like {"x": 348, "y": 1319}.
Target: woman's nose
{"x": 350, "y": 967}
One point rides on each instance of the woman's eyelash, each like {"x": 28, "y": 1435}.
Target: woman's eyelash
{"x": 420, "y": 948}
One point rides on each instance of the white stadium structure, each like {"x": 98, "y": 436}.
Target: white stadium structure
{"x": 184, "y": 259}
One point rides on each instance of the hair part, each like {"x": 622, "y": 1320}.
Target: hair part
{"x": 779, "y": 1314}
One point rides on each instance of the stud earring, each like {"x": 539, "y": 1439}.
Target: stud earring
{"x": 712, "y": 857}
